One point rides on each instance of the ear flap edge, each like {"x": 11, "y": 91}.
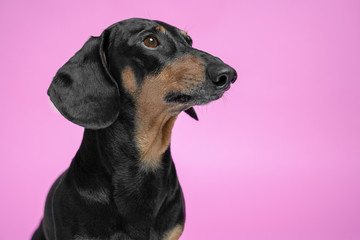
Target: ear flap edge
{"x": 83, "y": 90}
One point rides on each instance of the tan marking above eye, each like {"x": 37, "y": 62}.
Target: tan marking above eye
{"x": 151, "y": 42}
{"x": 184, "y": 33}
{"x": 160, "y": 29}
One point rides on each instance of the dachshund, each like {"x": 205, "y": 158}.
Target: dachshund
{"x": 126, "y": 88}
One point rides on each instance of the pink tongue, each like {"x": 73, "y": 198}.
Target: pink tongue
{"x": 191, "y": 112}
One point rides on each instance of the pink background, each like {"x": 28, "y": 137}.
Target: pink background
{"x": 277, "y": 158}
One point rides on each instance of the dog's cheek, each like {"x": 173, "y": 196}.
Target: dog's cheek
{"x": 129, "y": 80}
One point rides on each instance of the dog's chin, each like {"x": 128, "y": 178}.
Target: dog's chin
{"x": 184, "y": 102}
{"x": 189, "y": 100}
{"x": 205, "y": 99}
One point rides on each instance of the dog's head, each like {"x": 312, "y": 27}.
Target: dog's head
{"x": 150, "y": 63}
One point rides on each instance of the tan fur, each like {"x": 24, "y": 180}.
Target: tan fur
{"x": 129, "y": 80}
{"x": 155, "y": 118}
{"x": 184, "y": 33}
{"x": 104, "y": 55}
{"x": 175, "y": 233}
{"x": 160, "y": 29}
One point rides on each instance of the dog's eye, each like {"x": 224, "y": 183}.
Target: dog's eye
{"x": 151, "y": 42}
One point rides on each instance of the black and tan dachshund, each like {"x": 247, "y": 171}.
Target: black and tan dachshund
{"x": 127, "y": 87}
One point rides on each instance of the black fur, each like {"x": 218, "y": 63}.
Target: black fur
{"x": 106, "y": 193}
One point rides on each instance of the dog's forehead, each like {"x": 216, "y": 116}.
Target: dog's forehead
{"x": 171, "y": 29}
{"x": 135, "y": 25}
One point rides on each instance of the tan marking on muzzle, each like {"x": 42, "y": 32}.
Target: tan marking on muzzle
{"x": 175, "y": 233}
{"x": 182, "y": 75}
{"x": 154, "y": 117}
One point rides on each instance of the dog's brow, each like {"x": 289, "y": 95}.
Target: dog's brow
{"x": 184, "y": 33}
{"x": 160, "y": 29}
{"x": 186, "y": 36}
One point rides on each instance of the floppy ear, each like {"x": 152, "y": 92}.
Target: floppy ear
{"x": 83, "y": 90}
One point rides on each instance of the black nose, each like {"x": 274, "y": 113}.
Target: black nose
{"x": 222, "y": 76}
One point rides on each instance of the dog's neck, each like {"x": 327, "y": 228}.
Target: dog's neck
{"x": 141, "y": 143}
{"x": 108, "y": 169}
{"x": 153, "y": 135}
{"x": 107, "y": 164}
